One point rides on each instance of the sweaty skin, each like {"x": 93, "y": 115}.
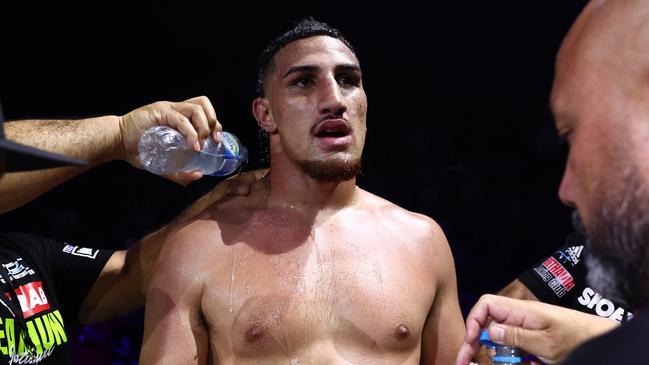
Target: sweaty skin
{"x": 305, "y": 271}
{"x": 247, "y": 282}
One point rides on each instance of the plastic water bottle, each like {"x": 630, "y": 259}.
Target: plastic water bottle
{"x": 507, "y": 355}
{"x": 163, "y": 150}
{"x": 504, "y": 355}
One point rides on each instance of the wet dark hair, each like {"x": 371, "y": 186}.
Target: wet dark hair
{"x": 305, "y": 28}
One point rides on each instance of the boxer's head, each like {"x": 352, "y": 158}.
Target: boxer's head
{"x": 312, "y": 102}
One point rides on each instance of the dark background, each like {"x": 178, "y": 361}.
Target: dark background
{"x": 459, "y": 127}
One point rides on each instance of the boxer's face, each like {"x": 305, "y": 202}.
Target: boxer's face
{"x": 600, "y": 100}
{"x": 316, "y": 106}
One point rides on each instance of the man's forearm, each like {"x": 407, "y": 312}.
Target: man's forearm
{"x": 517, "y": 290}
{"x": 93, "y": 140}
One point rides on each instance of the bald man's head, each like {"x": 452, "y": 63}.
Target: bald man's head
{"x": 611, "y": 35}
{"x": 600, "y": 99}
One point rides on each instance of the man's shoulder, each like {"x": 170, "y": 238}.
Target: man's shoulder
{"x": 225, "y": 210}
{"x": 400, "y": 218}
{"x": 186, "y": 240}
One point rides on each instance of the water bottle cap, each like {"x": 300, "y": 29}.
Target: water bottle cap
{"x": 484, "y": 339}
{"x": 234, "y": 155}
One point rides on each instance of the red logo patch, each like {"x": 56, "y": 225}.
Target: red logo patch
{"x": 559, "y": 272}
{"x": 32, "y": 298}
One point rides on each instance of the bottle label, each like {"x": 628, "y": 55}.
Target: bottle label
{"x": 231, "y": 147}
{"x": 230, "y": 154}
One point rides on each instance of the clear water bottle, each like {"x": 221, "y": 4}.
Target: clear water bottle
{"x": 163, "y": 150}
{"x": 504, "y": 355}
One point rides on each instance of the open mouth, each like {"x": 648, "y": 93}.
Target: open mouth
{"x": 333, "y": 128}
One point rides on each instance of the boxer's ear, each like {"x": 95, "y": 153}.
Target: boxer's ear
{"x": 263, "y": 114}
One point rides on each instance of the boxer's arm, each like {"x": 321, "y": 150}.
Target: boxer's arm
{"x": 444, "y": 327}
{"x": 174, "y": 327}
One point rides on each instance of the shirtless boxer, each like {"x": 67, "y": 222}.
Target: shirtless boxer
{"x": 309, "y": 268}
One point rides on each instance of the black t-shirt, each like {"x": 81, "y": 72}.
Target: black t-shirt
{"x": 624, "y": 345}
{"x": 560, "y": 279}
{"x": 50, "y": 280}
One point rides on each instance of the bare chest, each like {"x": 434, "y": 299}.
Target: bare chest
{"x": 345, "y": 289}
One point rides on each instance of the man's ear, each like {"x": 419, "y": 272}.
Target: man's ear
{"x": 261, "y": 111}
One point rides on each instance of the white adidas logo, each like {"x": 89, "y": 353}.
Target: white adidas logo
{"x": 574, "y": 252}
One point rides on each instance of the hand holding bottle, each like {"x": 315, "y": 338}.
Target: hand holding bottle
{"x": 194, "y": 118}
{"x": 547, "y": 331}
{"x": 163, "y": 150}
